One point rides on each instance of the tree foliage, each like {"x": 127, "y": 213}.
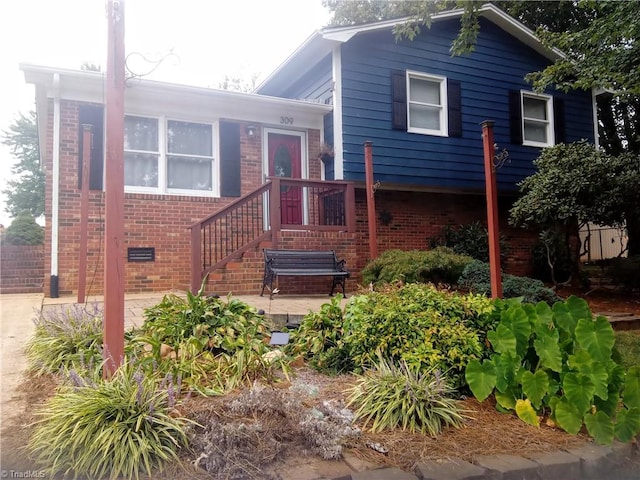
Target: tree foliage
{"x": 25, "y": 190}
{"x": 575, "y": 184}
{"x": 24, "y": 231}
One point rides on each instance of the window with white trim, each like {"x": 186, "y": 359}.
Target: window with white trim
{"x": 168, "y": 156}
{"x": 426, "y": 104}
{"x": 537, "y": 120}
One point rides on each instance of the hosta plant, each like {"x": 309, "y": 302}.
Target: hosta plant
{"x": 108, "y": 428}
{"x": 559, "y": 361}
{"x": 390, "y": 396}
{"x": 66, "y": 337}
{"x": 214, "y": 344}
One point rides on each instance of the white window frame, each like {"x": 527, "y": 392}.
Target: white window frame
{"x": 442, "y": 81}
{"x": 163, "y": 189}
{"x": 548, "y": 99}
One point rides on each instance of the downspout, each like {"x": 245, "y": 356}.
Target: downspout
{"x": 55, "y": 190}
{"x": 336, "y": 67}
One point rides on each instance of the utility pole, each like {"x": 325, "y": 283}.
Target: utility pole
{"x": 114, "y": 278}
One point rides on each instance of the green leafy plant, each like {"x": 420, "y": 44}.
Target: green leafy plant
{"x": 319, "y": 339}
{"x": 471, "y": 239}
{"x": 98, "y": 428}
{"x": 415, "y": 323}
{"x": 440, "y": 265}
{"x": 389, "y": 396}
{"x": 66, "y": 337}
{"x": 477, "y": 278}
{"x": 559, "y": 361}
{"x": 215, "y": 344}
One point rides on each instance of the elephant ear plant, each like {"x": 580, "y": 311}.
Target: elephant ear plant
{"x": 558, "y": 362}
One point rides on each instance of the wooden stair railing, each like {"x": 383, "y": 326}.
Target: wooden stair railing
{"x": 243, "y": 224}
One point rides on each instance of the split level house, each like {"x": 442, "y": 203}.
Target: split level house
{"x": 213, "y": 177}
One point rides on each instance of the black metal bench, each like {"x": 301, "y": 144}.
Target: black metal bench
{"x": 303, "y": 263}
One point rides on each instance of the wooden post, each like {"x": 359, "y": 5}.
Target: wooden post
{"x": 371, "y": 199}
{"x": 492, "y": 208}
{"x": 84, "y": 212}
{"x": 114, "y": 278}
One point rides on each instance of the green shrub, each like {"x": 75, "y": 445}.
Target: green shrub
{"x": 440, "y": 265}
{"x": 123, "y": 426}
{"x": 559, "y": 361}
{"x": 69, "y": 337}
{"x": 24, "y": 231}
{"x": 471, "y": 239}
{"x": 415, "y": 323}
{"x": 390, "y": 396}
{"x": 215, "y": 344}
{"x": 319, "y": 339}
{"x": 476, "y": 277}
{"x": 625, "y": 272}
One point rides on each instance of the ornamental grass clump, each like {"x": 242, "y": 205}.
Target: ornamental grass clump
{"x": 68, "y": 337}
{"x": 390, "y": 396}
{"x": 108, "y": 428}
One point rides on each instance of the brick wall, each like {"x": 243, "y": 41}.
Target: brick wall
{"x": 21, "y": 268}
{"x": 415, "y": 217}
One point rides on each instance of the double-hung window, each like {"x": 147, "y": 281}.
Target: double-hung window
{"x": 168, "y": 156}
{"x": 537, "y": 120}
{"x": 427, "y": 104}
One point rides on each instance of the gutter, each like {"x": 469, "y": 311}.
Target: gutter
{"x": 55, "y": 191}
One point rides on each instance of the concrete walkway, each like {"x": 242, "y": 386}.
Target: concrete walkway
{"x": 17, "y": 312}
{"x": 618, "y": 462}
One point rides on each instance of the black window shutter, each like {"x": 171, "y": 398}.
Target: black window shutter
{"x": 399, "y": 100}
{"x": 92, "y": 115}
{"x": 558, "y": 120}
{"x": 454, "y": 107}
{"x": 515, "y": 117}
{"x": 229, "y": 159}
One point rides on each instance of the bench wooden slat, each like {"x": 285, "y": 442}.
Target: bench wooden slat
{"x": 303, "y": 263}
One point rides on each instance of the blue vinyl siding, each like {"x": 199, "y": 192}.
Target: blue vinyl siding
{"x": 315, "y": 84}
{"x": 498, "y": 64}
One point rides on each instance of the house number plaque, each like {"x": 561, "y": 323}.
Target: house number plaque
{"x": 286, "y": 120}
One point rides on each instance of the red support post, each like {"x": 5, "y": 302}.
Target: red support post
{"x": 114, "y": 278}
{"x": 371, "y": 200}
{"x": 275, "y": 212}
{"x": 492, "y": 208}
{"x": 84, "y": 212}
{"x": 196, "y": 258}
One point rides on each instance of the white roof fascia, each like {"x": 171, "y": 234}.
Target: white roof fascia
{"x": 150, "y": 96}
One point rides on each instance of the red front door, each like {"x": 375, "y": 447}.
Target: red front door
{"x": 285, "y": 161}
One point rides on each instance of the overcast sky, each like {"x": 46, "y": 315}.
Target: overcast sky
{"x": 209, "y": 38}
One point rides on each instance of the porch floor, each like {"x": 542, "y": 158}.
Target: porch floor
{"x": 283, "y": 308}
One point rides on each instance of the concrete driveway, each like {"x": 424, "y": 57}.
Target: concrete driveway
{"x": 17, "y": 312}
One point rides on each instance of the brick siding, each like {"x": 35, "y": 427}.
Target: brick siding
{"x": 162, "y": 221}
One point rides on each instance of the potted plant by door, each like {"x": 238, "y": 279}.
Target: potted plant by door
{"x": 326, "y": 153}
